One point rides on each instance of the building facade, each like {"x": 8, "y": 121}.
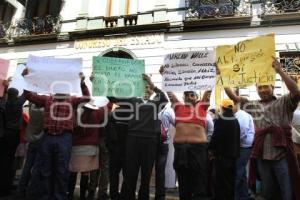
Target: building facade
{"x": 144, "y": 29}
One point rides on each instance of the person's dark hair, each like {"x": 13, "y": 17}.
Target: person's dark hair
{"x": 228, "y": 112}
{"x": 12, "y": 93}
{"x": 213, "y": 110}
{"x": 188, "y": 92}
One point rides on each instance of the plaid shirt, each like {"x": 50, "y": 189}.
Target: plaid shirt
{"x": 58, "y": 113}
{"x": 278, "y": 112}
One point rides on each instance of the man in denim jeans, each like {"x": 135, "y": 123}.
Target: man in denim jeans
{"x": 56, "y": 143}
{"x": 247, "y": 136}
{"x": 34, "y": 132}
{"x": 273, "y": 147}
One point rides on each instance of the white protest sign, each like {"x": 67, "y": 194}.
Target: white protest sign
{"x": 53, "y": 75}
{"x": 18, "y": 80}
{"x": 186, "y": 71}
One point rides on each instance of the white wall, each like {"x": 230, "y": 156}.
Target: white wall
{"x": 145, "y": 5}
{"x": 71, "y": 9}
{"x": 154, "y": 56}
{"x": 175, "y": 3}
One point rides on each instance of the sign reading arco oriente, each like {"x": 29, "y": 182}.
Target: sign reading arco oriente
{"x": 121, "y": 41}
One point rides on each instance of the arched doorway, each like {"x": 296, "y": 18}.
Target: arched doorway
{"x": 118, "y": 53}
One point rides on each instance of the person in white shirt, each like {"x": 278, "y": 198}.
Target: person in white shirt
{"x": 246, "y": 135}
{"x": 166, "y": 177}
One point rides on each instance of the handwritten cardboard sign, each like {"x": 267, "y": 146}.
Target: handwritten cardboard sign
{"x": 18, "y": 80}
{"x": 53, "y": 75}
{"x": 4, "y": 65}
{"x": 187, "y": 71}
{"x": 246, "y": 63}
{"x": 118, "y": 77}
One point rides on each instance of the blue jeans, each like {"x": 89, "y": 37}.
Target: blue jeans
{"x": 54, "y": 157}
{"x": 275, "y": 177}
{"x": 26, "y": 173}
{"x": 241, "y": 181}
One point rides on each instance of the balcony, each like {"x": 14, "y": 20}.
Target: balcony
{"x": 4, "y": 32}
{"x": 217, "y": 9}
{"x": 39, "y": 28}
{"x": 240, "y": 13}
{"x": 118, "y": 25}
{"x": 280, "y": 6}
{"x": 126, "y": 20}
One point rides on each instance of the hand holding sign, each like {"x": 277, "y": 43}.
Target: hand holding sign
{"x": 162, "y": 70}
{"x": 276, "y": 65}
{"x": 25, "y": 72}
{"x": 82, "y": 77}
{"x": 6, "y": 82}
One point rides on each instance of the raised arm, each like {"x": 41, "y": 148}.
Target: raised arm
{"x": 206, "y": 96}
{"x": 289, "y": 82}
{"x": 229, "y": 91}
{"x": 231, "y": 94}
{"x": 86, "y": 96}
{"x": 34, "y": 97}
{"x": 5, "y": 84}
{"x": 173, "y": 98}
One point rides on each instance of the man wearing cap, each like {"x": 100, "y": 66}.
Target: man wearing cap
{"x": 273, "y": 147}
{"x": 224, "y": 148}
{"x": 190, "y": 143}
{"x": 55, "y": 146}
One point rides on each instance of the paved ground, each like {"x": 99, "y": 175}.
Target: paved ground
{"x": 171, "y": 195}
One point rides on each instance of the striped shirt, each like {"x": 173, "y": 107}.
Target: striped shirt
{"x": 167, "y": 118}
{"x": 278, "y": 112}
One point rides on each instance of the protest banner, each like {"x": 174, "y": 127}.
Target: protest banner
{"x": 4, "y": 65}
{"x": 118, "y": 77}
{"x": 17, "y": 81}
{"x": 246, "y": 63}
{"x": 53, "y": 75}
{"x": 186, "y": 71}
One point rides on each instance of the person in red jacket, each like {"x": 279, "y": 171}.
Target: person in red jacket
{"x": 55, "y": 146}
{"x": 85, "y": 150}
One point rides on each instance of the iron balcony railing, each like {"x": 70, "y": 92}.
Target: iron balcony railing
{"x": 37, "y": 26}
{"x": 235, "y": 8}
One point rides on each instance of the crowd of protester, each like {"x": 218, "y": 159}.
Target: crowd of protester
{"x": 213, "y": 153}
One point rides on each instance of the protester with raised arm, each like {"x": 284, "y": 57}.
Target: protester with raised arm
{"x": 190, "y": 142}
{"x": 142, "y": 137}
{"x": 273, "y": 147}
{"x": 13, "y": 109}
{"x": 54, "y": 151}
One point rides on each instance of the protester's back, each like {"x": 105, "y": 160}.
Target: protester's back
{"x": 34, "y": 129}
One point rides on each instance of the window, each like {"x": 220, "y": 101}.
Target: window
{"x": 43, "y": 8}
{"x": 7, "y": 11}
{"x": 121, "y": 7}
{"x": 291, "y": 64}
